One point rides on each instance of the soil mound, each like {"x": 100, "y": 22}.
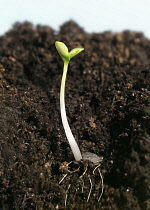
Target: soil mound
{"x": 108, "y": 108}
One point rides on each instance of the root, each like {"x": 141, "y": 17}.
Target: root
{"x": 90, "y": 189}
{"x": 63, "y": 178}
{"x": 71, "y": 176}
{"x": 67, "y": 195}
{"x": 101, "y": 181}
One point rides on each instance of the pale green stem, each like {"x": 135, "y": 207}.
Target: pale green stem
{"x": 70, "y": 137}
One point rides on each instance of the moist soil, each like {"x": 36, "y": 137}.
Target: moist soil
{"x": 108, "y": 109}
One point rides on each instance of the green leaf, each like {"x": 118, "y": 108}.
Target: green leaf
{"x": 62, "y": 50}
{"x": 75, "y": 51}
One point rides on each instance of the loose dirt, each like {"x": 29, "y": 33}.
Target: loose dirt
{"x": 108, "y": 108}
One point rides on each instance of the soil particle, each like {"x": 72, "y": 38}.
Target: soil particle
{"x": 108, "y": 108}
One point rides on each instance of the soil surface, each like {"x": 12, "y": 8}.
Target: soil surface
{"x": 108, "y": 109}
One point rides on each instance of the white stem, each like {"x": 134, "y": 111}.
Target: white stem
{"x": 70, "y": 137}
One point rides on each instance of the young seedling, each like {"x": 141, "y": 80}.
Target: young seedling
{"x": 88, "y": 156}
{"x": 66, "y": 56}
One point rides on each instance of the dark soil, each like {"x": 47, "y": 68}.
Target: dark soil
{"x": 108, "y": 108}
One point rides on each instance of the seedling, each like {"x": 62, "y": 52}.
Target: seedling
{"x": 88, "y": 156}
{"x": 66, "y": 56}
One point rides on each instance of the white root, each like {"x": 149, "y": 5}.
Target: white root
{"x": 81, "y": 181}
{"x": 102, "y": 185}
{"x": 63, "y": 178}
{"x": 90, "y": 189}
{"x": 67, "y": 195}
